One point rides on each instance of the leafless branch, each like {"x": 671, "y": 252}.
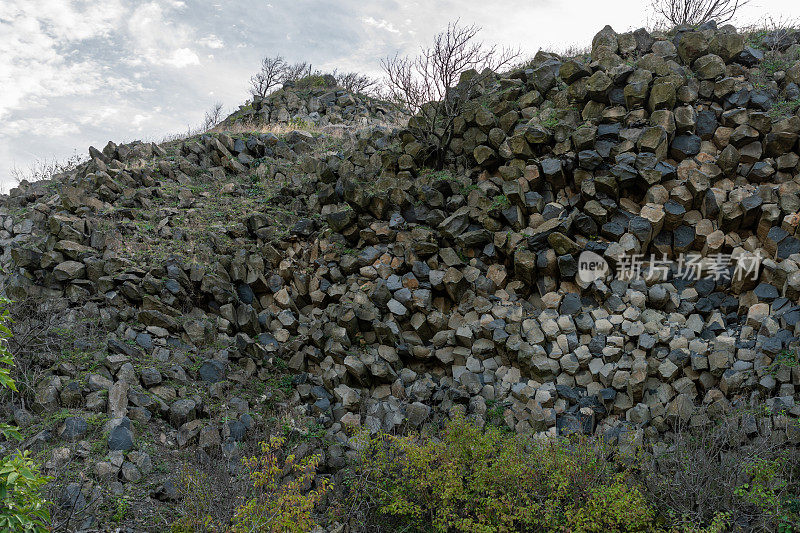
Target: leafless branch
{"x": 435, "y": 86}
{"x": 695, "y": 12}
{"x": 356, "y": 83}
{"x": 213, "y": 116}
{"x": 295, "y": 71}
{"x": 270, "y": 75}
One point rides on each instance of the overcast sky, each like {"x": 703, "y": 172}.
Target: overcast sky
{"x": 80, "y": 73}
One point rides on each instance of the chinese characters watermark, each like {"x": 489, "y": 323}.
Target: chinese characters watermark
{"x": 691, "y": 266}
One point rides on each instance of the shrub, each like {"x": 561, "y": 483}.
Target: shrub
{"x": 197, "y": 492}
{"x": 46, "y": 169}
{"x": 22, "y": 508}
{"x": 491, "y": 481}
{"x": 315, "y": 79}
{"x": 612, "y": 506}
{"x": 717, "y": 473}
{"x": 473, "y": 480}
{"x": 278, "y": 505}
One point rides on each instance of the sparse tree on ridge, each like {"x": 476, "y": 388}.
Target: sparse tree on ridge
{"x": 213, "y": 116}
{"x": 431, "y": 88}
{"x": 270, "y": 75}
{"x": 295, "y": 71}
{"x": 696, "y": 12}
{"x": 355, "y": 83}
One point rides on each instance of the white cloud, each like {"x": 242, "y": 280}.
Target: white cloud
{"x": 211, "y": 41}
{"x": 380, "y": 24}
{"x": 182, "y": 57}
{"x": 160, "y": 40}
{"x": 99, "y": 114}
{"x": 72, "y": 21}
{"x": 33, "y": 64}
{"x": 54, "y": 127}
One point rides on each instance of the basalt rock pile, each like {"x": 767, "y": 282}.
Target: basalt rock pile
{"x": 324, "y": 104}
{"x": 396, "y": 295}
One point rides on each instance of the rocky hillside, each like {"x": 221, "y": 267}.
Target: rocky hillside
{"x": 177, "y": 299}
{"x": 319, "y": 104}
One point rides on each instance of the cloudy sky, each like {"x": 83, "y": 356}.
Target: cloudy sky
{"x": 80, "y": 73}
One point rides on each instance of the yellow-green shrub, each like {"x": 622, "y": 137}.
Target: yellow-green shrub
{"x": 490, "y": 481}
{"x": 280, "y": 506}
{"x": 197, "y": 499}
{"x": 614, "y": 507}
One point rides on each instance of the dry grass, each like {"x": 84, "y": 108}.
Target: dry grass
{"x": 260, "y": 128}
{"x": 779, "y": 29}
{"x": 45, "y": 169}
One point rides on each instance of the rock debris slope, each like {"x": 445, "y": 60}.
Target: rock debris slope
{"x": 394, "y": 296}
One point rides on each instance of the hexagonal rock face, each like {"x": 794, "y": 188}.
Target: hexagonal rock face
{"x": 357, "y": 287}
{"x": 691, "y": 45}
{"x": 182, "y": 411}
{"x": 709, "y": 67}
{"x": 69, "y": 270}
{"x": 212, "y": 371}
{"x": 120, "y": 439}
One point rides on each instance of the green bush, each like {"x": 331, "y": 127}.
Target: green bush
{"x": 316, "y": 79}
{"x": 490, "y": 481}
{"x": 486, "y": 481}
{"x": 22, "y": 508}
{"x": 280, "y": 505}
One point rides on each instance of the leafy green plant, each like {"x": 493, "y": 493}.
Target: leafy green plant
{"x": 774, "y": 64}
{"x": 486, "y": 481}
{"x": 767, "y": 491}
{"x": 786, "y": 358}
{"x": 494, "y": 413}
{"x": 22, "y": 507}
{"x": 500, "y": 202}
{"x": 121, "y": 509}
{"x": 280, "y": 506}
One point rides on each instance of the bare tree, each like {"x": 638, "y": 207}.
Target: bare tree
{"x": 270, "y": 75}
{"x": 355, "y": 83}
{"x": 213, "y": 116}
{"x": 295, "y": 71}
{"x": 435, "y": 86}
{"x": 696, "y": 12}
